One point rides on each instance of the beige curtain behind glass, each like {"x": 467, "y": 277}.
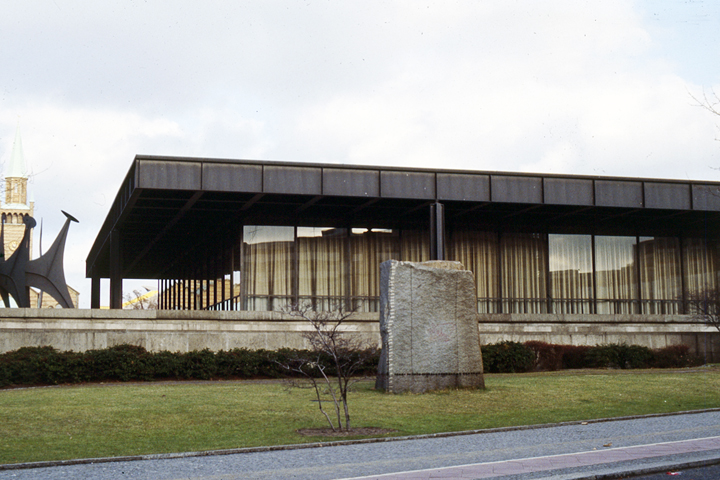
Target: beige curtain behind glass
{"x": 267, "y": 262}
{"x": 478, "y": 252}
{"x": 321, "y": 266}
{"x": 571, "y": 279}
{"x": 415, "y": 245}
{"x": 615, "y": 274}
{"x": 701, "y": 266}
{"x": 660, "y": 280}
{"x": 524, "y": 266}
{"x": 368, "y": 249}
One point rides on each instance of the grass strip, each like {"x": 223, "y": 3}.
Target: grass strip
{"x": 40, "y": 424}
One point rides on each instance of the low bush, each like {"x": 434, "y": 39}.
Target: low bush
{"x": 619, "y": 356}
{"x": 507, "y": 357}
{"x": 675, "y": 356}
{"x": 48, "y": 366}
{"x": 575, "y": 356}
{"x": 548, "y": 357}
{"x": 121, "y": 362}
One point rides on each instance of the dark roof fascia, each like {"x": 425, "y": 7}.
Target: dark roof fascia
{"x": 130, "y": 188}
{"x": 127, "y": 194}
{"x": 345, "y": 166}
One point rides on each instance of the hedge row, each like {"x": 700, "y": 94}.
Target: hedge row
{"x": 47, "y": 366}
{"x": 511, "y": 357}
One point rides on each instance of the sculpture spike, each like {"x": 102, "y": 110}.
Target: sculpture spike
{"x": 3, "y": 293}
{"x": 40, "y": 293}
{"x": 47, "y": 273}
{"x": 12, "y": 270}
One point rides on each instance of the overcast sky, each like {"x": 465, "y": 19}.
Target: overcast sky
{"x": 577, "y": 87}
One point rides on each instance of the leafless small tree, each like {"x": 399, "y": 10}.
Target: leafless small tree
{"x": 704, "y": 306}
{"x": 708, "y": 101}
{"x": 334, "y": 360}
{"x": 139, "y": 300}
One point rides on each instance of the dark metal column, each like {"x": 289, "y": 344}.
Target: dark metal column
{"x": 115, "y": 270}
{"x": 95, "y": 292}
{"x": 437, "y": 231}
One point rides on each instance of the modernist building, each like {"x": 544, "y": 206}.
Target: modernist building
{"x": 274, "y": 233}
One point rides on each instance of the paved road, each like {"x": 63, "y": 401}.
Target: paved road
{"x": 711, "y": 472}
{"x": 336, "y": 462}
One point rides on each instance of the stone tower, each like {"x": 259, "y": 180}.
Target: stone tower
{"x": 16, "y": 205}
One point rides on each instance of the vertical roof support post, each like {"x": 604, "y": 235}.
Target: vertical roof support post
{"x": 95, "y": 291}
{"x": 115, "y": 270}
{"x": 437, "y": 231}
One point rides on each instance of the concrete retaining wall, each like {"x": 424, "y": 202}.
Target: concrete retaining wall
{"x": 653, "y": 331}
{"x": 174, "y": 330}
{"x": 157, "y": 330}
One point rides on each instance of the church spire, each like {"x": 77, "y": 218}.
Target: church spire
{"x": 16, "y": 175}
{"x": 16, "y": 167}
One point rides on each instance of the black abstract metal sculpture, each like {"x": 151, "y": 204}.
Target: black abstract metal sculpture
{"x": 18, "y": 273}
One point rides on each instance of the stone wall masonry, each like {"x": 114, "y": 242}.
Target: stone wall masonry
{"x": 175, "y": 330}
{"x": 157, "y": 330}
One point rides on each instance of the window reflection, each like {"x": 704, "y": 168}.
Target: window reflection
{"x": 571, "y": 273}
{"x": 615, "y": 274}
{"x": 513, "y": 272}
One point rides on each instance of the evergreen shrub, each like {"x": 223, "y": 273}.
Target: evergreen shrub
{"x": 507, "y": 357}
{"x": 48, "y": 366}
{"x": 616, "y": 355}
{"x": 675, "y": 356}
{"x": 548, "y": 357}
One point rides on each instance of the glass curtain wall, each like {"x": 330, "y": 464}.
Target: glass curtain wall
{"x": 322, "y": 266}
{"x": 478, "y": 252}
{"x": 616, "y": 274}
{"x": 523, "y": 272}
{"x": 415, "y": 245}
{"x": 513, "y": 272}
{"x": 368, "y": 249}
{"x": 660, "y": 275}
{"x": 700, "y": 264}
{"x": 571, "y": 273}
{"x": 267, "y": 267}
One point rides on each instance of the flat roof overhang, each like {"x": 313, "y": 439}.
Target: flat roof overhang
{"x": 168, "y": 207}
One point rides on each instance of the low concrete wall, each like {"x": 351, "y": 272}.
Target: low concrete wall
{"x": 176, "y": 330}
{"x": 653, "y": 331}
{"x": 157, "y": 330}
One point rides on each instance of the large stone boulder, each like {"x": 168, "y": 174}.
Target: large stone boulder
{"x": 429, "y": 327}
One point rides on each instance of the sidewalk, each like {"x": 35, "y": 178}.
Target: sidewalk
{"x": 527, "y": 466}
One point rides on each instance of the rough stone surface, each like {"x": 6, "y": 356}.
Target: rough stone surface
{"x": 429, "y": 327}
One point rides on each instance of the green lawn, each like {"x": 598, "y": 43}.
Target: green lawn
{"x": 110, "y": 420}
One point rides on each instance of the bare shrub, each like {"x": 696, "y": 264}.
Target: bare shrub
{"x": 331, "y": 365}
